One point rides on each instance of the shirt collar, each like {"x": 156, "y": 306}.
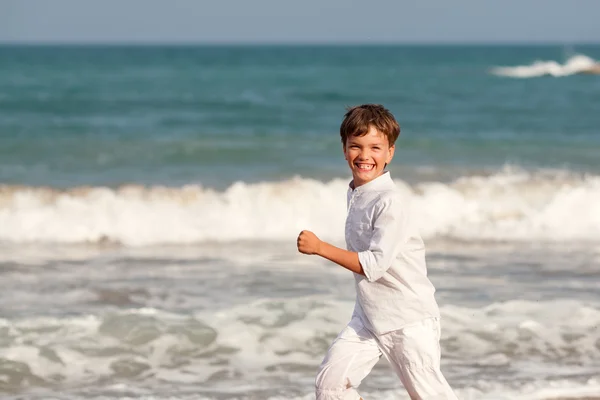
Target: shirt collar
{"x": 383, "y": 181}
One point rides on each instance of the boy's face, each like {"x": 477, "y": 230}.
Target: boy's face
{"x": 367, "y": 155}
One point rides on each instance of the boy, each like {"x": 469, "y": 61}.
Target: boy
{"x": 395, "y": 314}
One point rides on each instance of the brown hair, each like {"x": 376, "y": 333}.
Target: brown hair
{"x": 359, "y": 119}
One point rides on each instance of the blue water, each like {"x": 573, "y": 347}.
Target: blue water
{"x": 72, "y": 116}
{"x": 197, "y": 291}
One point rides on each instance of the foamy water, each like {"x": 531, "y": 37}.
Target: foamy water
{"x": 115, "y": 286}
{"x": 248, "y": 321}
{"x": 574, "y": 65}
{"x": 510, "y": 205}
{"x": 267, "y": 338}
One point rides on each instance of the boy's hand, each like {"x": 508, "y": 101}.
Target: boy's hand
{"x": 308, "y": 243}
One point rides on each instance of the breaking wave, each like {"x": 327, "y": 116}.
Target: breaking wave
{"x": 282, "y": 337}
{"x": 574, "y": 65}
{"x": 508, "y": 206}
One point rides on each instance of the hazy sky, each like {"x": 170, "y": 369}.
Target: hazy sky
{"x": 201, "y": 21}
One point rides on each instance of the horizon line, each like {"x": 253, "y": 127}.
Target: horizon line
{"x": 148, "y": 43}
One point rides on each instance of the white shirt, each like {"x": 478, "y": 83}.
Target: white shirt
{"x": 395, "y": 290}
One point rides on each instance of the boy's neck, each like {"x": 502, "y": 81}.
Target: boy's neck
{"x": 354, "y": 187}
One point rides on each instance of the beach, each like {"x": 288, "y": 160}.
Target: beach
{"x": 150, "y": 200}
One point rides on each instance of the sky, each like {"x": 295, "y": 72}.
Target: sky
{"x": 299, "y": 21}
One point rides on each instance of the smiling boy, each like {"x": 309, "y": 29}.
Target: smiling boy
{"x": 395, "y": 313}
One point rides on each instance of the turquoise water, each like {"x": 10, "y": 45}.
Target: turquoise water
{"x": 72, "y": 116}
{"x": 151, "y": 197}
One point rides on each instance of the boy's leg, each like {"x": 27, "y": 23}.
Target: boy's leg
{"x": 414, "y": 353}
{"x": 350, "y": 358}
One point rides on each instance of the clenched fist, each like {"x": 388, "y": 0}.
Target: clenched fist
{"x": 308, "y": 243}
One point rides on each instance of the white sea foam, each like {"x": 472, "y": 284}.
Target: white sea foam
{"x": 284, "y": 338}
{"x": 510, "y": 205}
{"x": 548, "y": 345}
{"x": 537, "y": 390}
{"x": 574, "y": 65}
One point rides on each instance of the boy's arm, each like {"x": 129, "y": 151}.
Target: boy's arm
{"x": 390, "y": 234}
{"x": 309, "y": 243}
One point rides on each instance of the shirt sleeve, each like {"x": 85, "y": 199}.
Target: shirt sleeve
{"x": 389, "y": 234}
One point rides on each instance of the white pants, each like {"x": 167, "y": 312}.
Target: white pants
{"x": 413, "y": 352}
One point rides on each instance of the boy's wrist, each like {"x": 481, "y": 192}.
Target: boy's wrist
{"x": 319, "y": 248}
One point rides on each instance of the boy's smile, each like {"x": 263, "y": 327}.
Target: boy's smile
{"x": 367, "y": 155}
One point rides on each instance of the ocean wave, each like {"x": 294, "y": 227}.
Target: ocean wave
{"x": 574, "y": 65}
{"x": 563, "y": 389}
{"x": 508, "y": 206}
{"x": 283, "y": 338}
{"x": 534, "y": 390}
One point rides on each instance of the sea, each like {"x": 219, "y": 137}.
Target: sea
{"x": 151, "y": 196}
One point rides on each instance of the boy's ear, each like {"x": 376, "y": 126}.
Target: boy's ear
{"x": 391, "y": 153}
